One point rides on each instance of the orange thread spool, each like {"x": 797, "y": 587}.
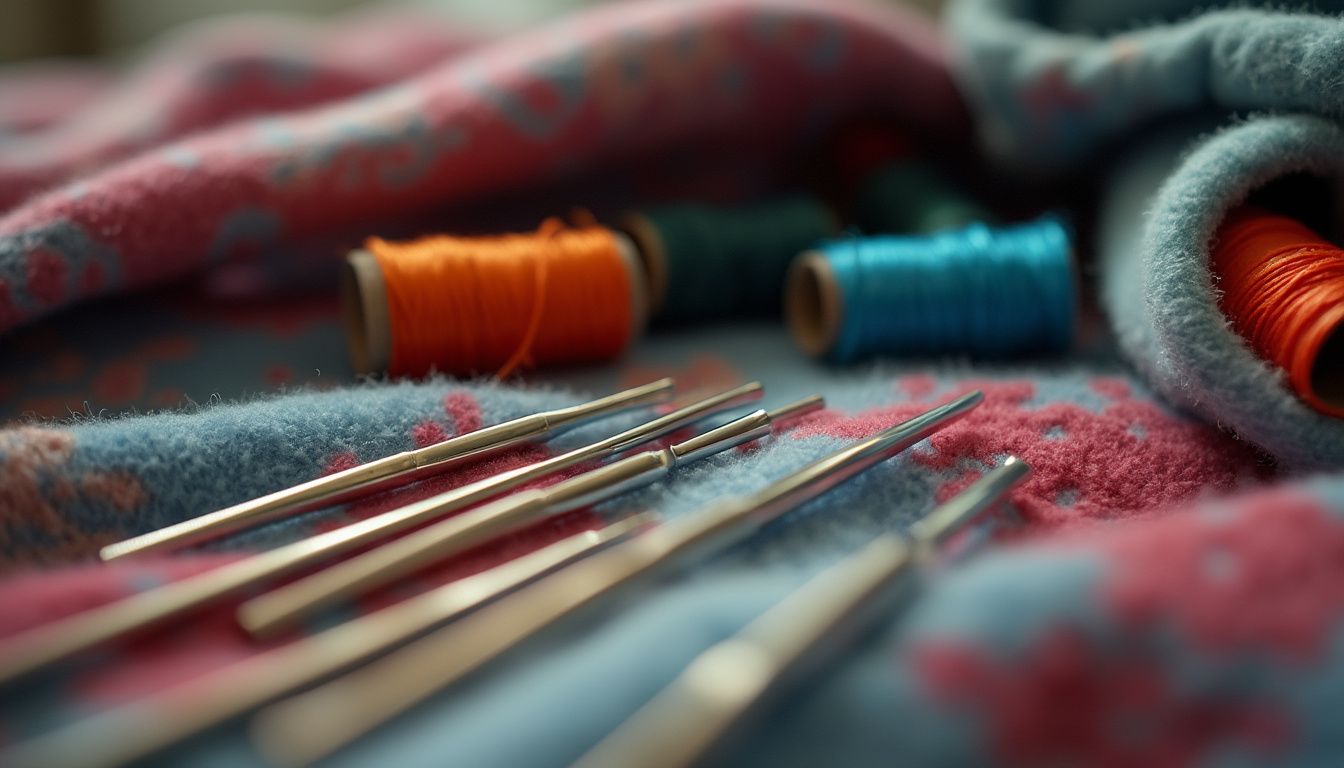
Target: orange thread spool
{"x": 1283, "y": 289}
{"x": 495, "y": 304}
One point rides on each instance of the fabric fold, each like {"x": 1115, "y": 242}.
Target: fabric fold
{"x": 1059, "y": 87}
{"x": 613, "y": 83}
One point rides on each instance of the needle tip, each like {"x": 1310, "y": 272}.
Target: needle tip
{"x": 665, "y": 384}
{"x": 982, "y": 495}
{"x": 113, "y": 552}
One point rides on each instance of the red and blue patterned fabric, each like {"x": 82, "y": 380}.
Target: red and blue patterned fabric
{"x": 1159, "y": 592}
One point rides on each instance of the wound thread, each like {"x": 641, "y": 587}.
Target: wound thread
{"x": 1283, "y": 289}
{"x": 497, "y": 304}
{"x": 978, "y": 291}
{"x": 713, "y": 263}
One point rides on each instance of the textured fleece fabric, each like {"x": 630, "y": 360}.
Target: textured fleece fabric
{"x": 201, "y": 77}
{"x": 1054, "y": 83}
{"x": 1108, "y": 571}
{"x": 1159, "y": 592}
{"x": 1161, "y": 296}
{"x": 616, "y": 82}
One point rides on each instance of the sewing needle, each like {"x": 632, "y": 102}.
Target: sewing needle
{"x": 734, "y": 679}
{"x": 302, "y": 729}
{"x": 282, "y": 607}
{"x": 146, "y": 727}
{"x": 386, "y": 472}
{"x": 54, "y": 642}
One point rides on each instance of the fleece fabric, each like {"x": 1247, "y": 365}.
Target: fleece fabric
{"x": 1053, "y": 82}
{"x": 617, "y": 82}
{"x": 1108, "y": 569}
{"x": 1161, "y": 591}
{"x": 1056, "y": 83}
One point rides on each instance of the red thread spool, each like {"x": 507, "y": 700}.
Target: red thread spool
{"x": 481, "y": 305}
{"x": 1283, "y": 289}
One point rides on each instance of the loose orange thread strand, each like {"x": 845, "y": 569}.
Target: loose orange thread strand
{"x": 523, "y": 355}
{"x": 1283, "y": 290}
{"x": 474, "y": 305}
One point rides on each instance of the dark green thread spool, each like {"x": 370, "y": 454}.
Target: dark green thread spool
{"x": 709, "y": 263}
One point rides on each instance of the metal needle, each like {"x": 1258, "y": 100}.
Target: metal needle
{"x": 386, "y": 472}
{"x": 51, "y": 643}
{"x": 307, "y": 727}
{"x": 735, "y": 678}
{"x": 148, "y": 726}
{"x": 280, "y": 608}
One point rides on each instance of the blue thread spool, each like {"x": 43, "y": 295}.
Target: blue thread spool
{"x": 978, "y": 291}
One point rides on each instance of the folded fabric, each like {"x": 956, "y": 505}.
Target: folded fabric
{"x": 37, "y": 95}
{"x": 1158, "y": 291}
{"x": 204, "y": 77}
{"x": 1052, "y": 83}
{"x": 68, "y": 491}
{"x": 1055, "y": 83}
{"x": 1150, "y": 596}
{"x": 617, "y": 82}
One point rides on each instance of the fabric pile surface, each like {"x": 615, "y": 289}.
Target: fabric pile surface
{"x": 1167, "y": 588}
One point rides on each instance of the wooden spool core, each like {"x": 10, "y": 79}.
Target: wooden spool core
{"x": 813, "y": 304}
{"x": 364, "y": 300}
{"x": 652, "y": 255}
{"x": 369, "y": 329}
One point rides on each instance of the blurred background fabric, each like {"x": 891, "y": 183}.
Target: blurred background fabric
{"x": 36, "y": 29}
{"x": 171, "y": 70}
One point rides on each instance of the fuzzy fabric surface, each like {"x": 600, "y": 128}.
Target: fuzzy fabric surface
{"x": 203, "y": 77}
{"x": 626, "y": 81}
{"x": 1056, "y": 83}
{"x": 1161, "y": 590}
{"x": 1110, "y": 463}
{"x": 1053, "y": 82}
{"x": 1163, "y": 300}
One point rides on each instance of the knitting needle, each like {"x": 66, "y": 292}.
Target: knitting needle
{"x": 737, "y": 677}
{"x": 51, "y": 643}
{"x": 386, "y": 472}
{"x": 309, "y": 726}
{"x": 280, "y": 608}
{"x": 146, "y": 727}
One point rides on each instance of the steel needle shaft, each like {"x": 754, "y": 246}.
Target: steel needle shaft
{"x": 148, "y": 726}
{"x": 305, "y": 728}
{"x": 282, "y": 607}
{"x": 735, "y": 678}
{"x": 52, "y": 643}
{"x": 386, "y": 472}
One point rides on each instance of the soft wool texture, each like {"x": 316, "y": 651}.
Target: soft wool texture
{"x": 1160, "y": 295}
{"x": 1053, "y": 82}
{"x": 1053, "y": 88}
{"x": 158, "y": 466}
{"x": 1102, "y": 449}
{"x": 1159, "y": 592}
{"x": 516, "y": 113}
{"x": 214, "y": 73}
